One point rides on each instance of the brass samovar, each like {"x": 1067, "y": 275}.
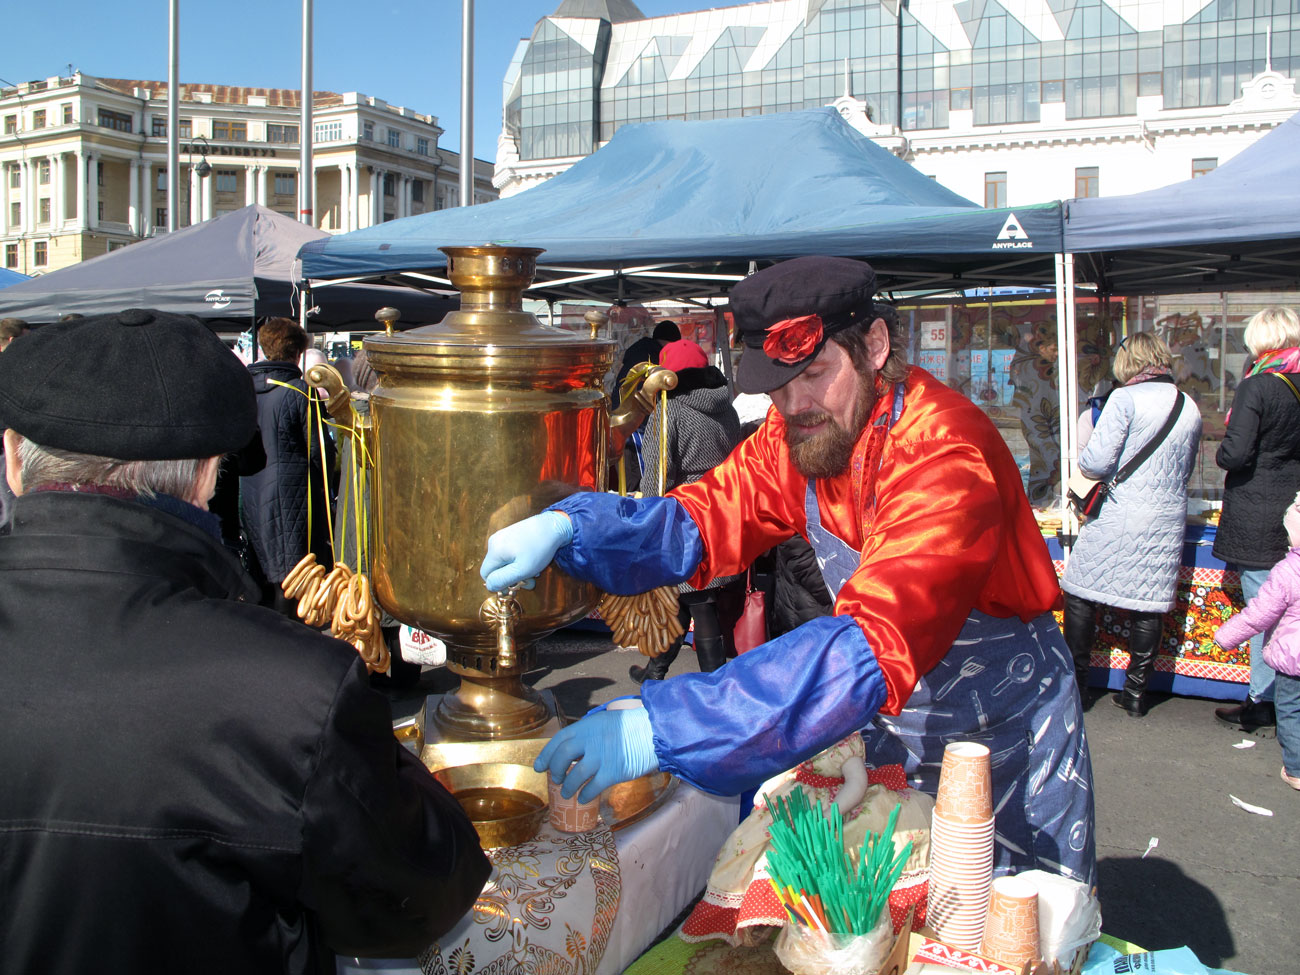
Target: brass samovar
{"x": 477, "y": 422}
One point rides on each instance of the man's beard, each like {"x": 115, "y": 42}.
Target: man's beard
{"x": 828, "y": 452}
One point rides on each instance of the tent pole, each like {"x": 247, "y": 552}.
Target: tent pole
{"x": 1064, "y": 297}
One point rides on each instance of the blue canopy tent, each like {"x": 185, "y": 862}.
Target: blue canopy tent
{"x": 228, "y": 271}
{"x": 8, "y": 277}
{"x": 1235, "y": 228}
{"x": 677, "y": 209}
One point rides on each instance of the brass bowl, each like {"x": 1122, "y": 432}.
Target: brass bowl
{"x": 506, "y": 803}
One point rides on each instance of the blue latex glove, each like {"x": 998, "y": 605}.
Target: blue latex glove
{"x": 519, "y": 552}
{"x": 609, "y": 746}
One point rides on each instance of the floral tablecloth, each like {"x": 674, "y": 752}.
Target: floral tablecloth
{"x": 580, "y": 903}
{"x": 1188, "y": 663}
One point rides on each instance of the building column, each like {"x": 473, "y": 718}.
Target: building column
{"x": 133, "y": 200}
{"x": 250, "y": 185}
{"x": 92, "y": 204}
{"x": 209, "y": 193}
{"x": 146, "y": 199}
{"x": 195, "y": 196}
{"x": 82, "y": 222}
{"x": 60, "y": 198}
{"x": 344, "y": 195}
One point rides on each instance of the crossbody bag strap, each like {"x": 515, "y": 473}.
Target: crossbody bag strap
{"x": 1290, "y": 385}
{"x": 1140, "y": 458}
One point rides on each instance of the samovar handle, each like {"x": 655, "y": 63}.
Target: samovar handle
{"x": 337, "y": 403}
{"x": 502, "y": 611}
{"x": 632, "y": 412}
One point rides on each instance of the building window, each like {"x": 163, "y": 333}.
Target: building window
{"x": 121, "y": 121}
{"x": 422, "y": 147}
{"x": 161, "y": 183}
{"x": 390, "y": 184}
{"x": 43, "y": 172}
{"x": 229, "y": 131}
{"x": 40, "y": 254}
{"x": 328, "y": 132}
{"x": 1202, "y": 166}
{"x": 99, "y": 174}
{"x": 417, "y": 191}
{"x": 227, "y": 180}
{"x": 11, "y": 255}
{"x": 38, "y": 119}
{"x": 185, "y": 128}
{"x": 67, "y": 113}
{"x": 1087, "y": 182}
{"x": 281, "y": 133}
{"x": 15, "y": 214}
{"x": 368, "y": 131}
{"x": 158, "y": 126}
{"x": 995, "y": 190}
{"x": 286, "y": 184}
{"x": 395, "y": 138}
{"x": 44, "y": 211}
{"x": 160, "y": 217}
{"x": 15, "y": 176}
{"x": 11, "y": 124}
{"x": 99, "y": 212}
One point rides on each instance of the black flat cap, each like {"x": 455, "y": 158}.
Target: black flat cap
{"x": 785, "y": 313}
{"x": 135, "y": 385}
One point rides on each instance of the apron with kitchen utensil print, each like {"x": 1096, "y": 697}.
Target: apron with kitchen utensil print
{"x": 1008, "y": 685}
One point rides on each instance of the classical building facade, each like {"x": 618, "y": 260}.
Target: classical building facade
{"x": 1007, "y": 102}
{"x": 83, "y": 162}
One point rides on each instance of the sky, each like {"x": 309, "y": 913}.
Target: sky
{"x": 403, "y": 51}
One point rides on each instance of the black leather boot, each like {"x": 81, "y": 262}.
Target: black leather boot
{"x": 1251, "y": 716}
{"x": 711, "y": 653}
{"x": 1143, "y": 644}
{"x": 656, "y": 668}
{"x": 1081, "y": 636}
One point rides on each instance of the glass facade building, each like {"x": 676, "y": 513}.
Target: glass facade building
{"x": 595, "y": 66}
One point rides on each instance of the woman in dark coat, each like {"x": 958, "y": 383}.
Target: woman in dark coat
{"x": 1261, "y": 453}
{"x": 703, "y": 428}
{"x": 274, "y": 501}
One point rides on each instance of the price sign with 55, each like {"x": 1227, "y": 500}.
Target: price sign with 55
{"x": 934, "y": 335}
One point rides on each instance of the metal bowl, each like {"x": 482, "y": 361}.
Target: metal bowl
{"x": 506, "y": 803}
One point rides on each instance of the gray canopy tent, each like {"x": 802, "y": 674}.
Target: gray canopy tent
{"x": 228, "y": 271}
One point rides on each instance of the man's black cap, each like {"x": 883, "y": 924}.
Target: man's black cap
{"x": 838, "y": 290}
{"x": 135, "y": 385}
{"x": 666, "y": 331}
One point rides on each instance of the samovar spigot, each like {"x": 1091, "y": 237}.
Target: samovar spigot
{"x": 501, "y": 610}
{"x": 388, "y": 316}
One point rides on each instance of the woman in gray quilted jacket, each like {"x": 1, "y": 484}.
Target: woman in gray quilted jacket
{"x": 702, "y": 429}
{"x": 1128, "y": 555}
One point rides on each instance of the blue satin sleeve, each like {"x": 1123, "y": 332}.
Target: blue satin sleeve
{"x": 767, "y": 710}
{"x": 629, "y": 545}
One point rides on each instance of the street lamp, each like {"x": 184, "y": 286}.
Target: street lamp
{"x": 203, "y": 169}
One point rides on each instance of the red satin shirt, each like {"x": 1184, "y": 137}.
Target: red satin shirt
{"x": 935, "y": 506}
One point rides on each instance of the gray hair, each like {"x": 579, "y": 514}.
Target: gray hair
{"x": 1272, "y": 328}
{"x": 51, "y": 465}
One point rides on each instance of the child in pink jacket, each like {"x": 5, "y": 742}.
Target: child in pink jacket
{"x": 1276, "y": 610}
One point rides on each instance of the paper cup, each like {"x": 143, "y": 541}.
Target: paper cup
{"x": 570, "y": 815}
{"x": 965, "y": 794}
{"x": 1011, "y": 929}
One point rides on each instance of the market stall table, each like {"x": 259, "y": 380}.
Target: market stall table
{"x": 581, "y": 902}
{"x": 1189, "y": 663}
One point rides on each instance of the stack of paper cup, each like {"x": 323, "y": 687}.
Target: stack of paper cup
{"x": 1011, "y": 929}
{"x": 961, "y": 846}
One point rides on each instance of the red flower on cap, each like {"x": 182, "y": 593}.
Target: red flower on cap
{"x": 794, "y": 339}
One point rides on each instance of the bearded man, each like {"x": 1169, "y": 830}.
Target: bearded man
{"x": 942, "y": 628}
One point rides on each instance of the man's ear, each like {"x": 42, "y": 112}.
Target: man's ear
{"x": 878, "y": 343}
{"x": 13, "y": 466}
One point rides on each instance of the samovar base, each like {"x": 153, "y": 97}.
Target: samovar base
{"x": 443, "y": 749}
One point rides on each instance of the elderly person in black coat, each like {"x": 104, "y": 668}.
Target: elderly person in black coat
{"x": 1261, "y": 453}
{"x": 192, "y": 783}
{"x": 275, "y": 501}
